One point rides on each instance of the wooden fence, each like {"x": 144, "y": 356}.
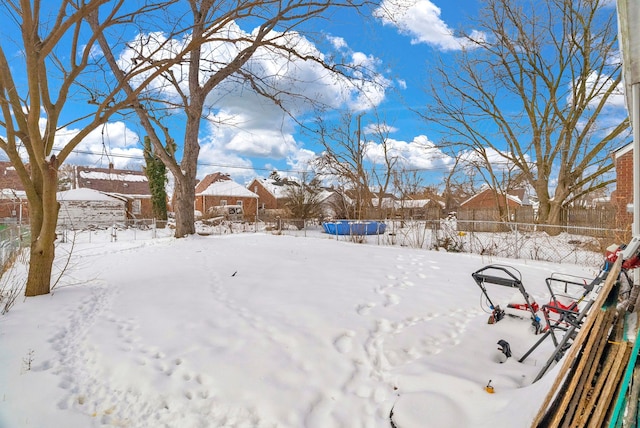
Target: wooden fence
{"x": 603, "y": 218}
{"x": 592, "y": 218}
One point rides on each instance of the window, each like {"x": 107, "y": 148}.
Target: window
{"x": 136, "y": 206}
{"x": 239, "y": 203}
{"x": 223, "y": 202}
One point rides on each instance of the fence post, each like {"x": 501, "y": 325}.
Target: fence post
{"x": 517, "y": 254}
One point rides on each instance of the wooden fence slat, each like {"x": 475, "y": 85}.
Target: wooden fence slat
{"x": 579, "y": 340}
{"x": 611, "y": 385}
{"x": 579, "y": 401}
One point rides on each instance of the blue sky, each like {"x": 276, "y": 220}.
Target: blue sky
{"x": 401, "y": 41}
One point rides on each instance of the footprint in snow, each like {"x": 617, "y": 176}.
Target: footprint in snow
{"x": 364, "y": 309}
{"x": 392, "y": 300}
{"x": 344, "y": 342}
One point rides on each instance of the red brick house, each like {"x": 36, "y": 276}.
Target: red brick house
{"x": 272, "y": 194}
{"x": 13, "y": 200}
{"x": 219, "y": 189}
{"x": 130, "y": 185}
{"x": 623, "y": 195}
{"x": 490, "y": 198}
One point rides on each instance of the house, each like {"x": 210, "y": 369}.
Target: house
{"x": 332, "y": 204}
{"x": 219, "y": 189}
{"x": 490, "y": 198}
{"x": 420, "y": 206}
{"x": 14, "y": 207}
{"x": 272, "y": 193}
{"x": 622, "y": 197}
{"x": 80, "y": 208}
{"x": 132, "y": 186}
{"x": 388, "y": 201}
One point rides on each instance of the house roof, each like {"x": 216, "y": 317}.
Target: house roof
{"x": 227, "y": 188}
{"x": 110, "y": 180}
{"x": 386, "y": 202}
{"x": 84, "y": 195}
{"x": 210, "y": 179}
{"x": 277, "y": 188}
{"x": 623, "y": 150}
{"x": 325, "y": 194}
{"x": 12, "y": 194}
{"x": 514, "y": 196}
{"x": 421, "y": 203}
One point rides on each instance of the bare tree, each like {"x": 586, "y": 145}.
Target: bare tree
{"x": 406, "y": 184}
{"x": 459, "y": 184}
{"x": 385, "y": 162}
{"x": 348, "y": 158}
{"x": 343, "y": 159}
{"x": 210, "y": 26}
{"x": 534, "y": 85}
{"x": 303, "y": 198}
{"x": 44, "y": 69}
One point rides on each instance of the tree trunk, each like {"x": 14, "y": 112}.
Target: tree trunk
{"x": 44, "y": 218}
{"x": 555, "y": 214}
{"x": 185, "y": 182}
{"x": 40, "y": 266}
{"x": 184, "y": 207}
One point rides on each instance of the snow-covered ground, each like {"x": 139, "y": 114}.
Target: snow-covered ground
{"x": 264, "y": 330}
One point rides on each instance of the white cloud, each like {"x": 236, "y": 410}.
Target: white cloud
{"x": 113, "y": 142}
{"x": 379, "y": 128}
{"x": 338, "y": 42}
{"x": 214, "y": 158}
{"x": 301, "y": 160}
{"x": 243, "y": 124}
{"x": 420, "y": 154}
{"x": 421, "y": 20}
{"x": 498, "y": 160}
{"x": 297, "y": 81}
{"x": 602, "y": 84}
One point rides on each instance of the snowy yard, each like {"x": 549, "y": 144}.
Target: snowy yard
{"x": 260, "y": 330}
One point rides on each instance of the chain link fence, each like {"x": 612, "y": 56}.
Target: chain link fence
{"x": 560, "y": 244}
{"x": 127, "y": 230}
{"x": 12, "y": 238}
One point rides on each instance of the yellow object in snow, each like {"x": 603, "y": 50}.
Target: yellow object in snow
{"x": 489, "y": 388}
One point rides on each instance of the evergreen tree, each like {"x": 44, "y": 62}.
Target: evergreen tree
{"x": 156, "y": 172}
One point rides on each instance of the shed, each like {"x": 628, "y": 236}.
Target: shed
{"x": 130, "y": 186}
{"x": 80, "y": 208}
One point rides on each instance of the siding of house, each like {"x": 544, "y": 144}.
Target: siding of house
{"x": 80, "y": 208}
{"x": 266, "y": 199}
{"x": 204, "y": 202}
{"x": 13, "y": 201}
{"x": 9, "y": 177}
{"x": 218, "y": 189}
{"x": 624, "y": 186}
{"x": 80, "y": 214}
{"x": 487, "y": 199}
{"x": 132, "y": 185}
{"x": 14, "y": 206}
